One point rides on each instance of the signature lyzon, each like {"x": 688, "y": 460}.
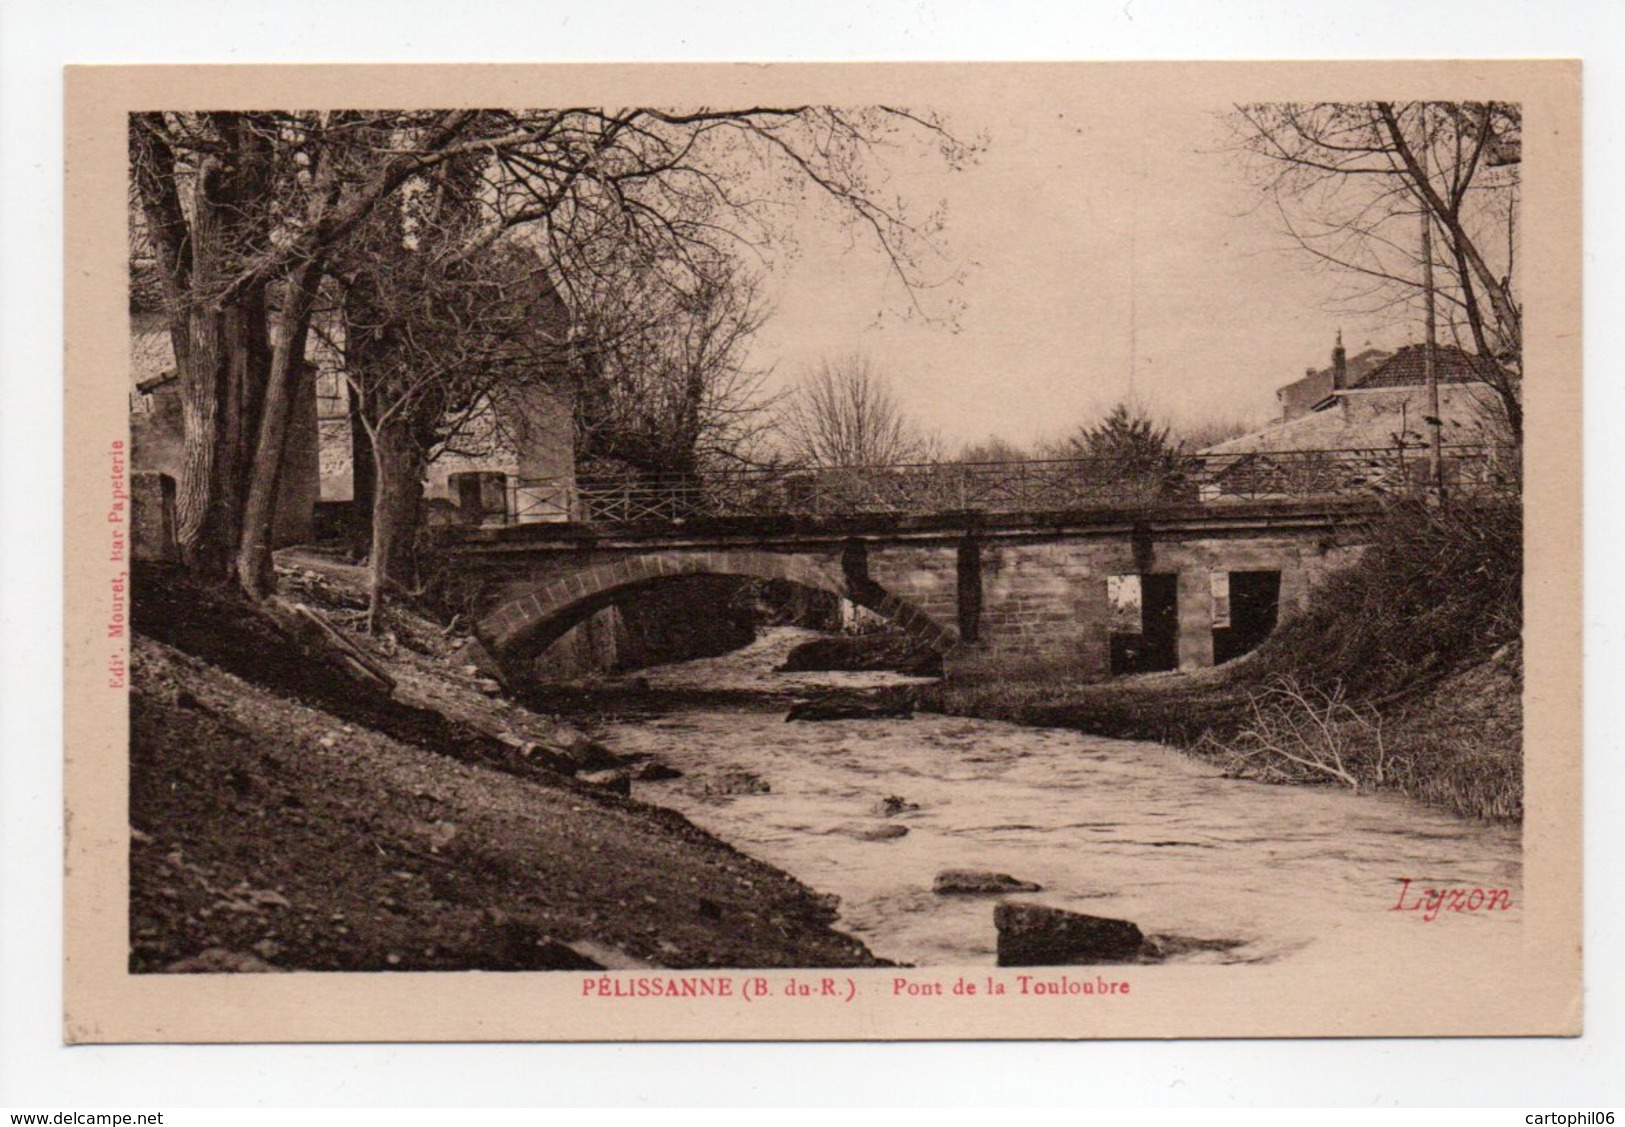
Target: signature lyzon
{"x": 1430, "y": 902}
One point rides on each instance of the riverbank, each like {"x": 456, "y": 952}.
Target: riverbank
{"x": 1454, "y": 744}
{"x": 284, "y": 820}
{"x": 1405, "y": 675}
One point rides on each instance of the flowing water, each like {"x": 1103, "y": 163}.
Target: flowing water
{"x": 1107, "y": 827}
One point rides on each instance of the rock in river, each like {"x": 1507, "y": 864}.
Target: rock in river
{"x": 863, "y": 652}
{"x": 875, "y": 705}
{"x": 615, "y": 781}
{"x": 1031, "y": 935}
{"x": 866, "y": 832}
{"x": 974, "y": 882}
{"x": 654, "y": 771}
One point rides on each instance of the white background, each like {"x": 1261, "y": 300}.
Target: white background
{"x": 38, "y": 37}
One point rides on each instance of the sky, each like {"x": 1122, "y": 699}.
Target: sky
{"x": 1106, "y": 249}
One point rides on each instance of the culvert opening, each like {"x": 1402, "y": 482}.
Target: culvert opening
{"x": 1246, "y": 607}
{"x": 1144, "y": 622}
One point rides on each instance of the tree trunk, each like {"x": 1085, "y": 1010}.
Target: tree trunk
{"x": 205, "y": 508}
{"x": 220, "y": 349}
{"x": 255, "y": 570}
{"x": 1511, "y": 408}
{"x": 223, "y": 372}
{"x": 248, "y": 372}
{"x": 366, "y": 364}
{"x": 201, "y": 526}
{"x": 363, "y": 478}
{"x": 399, "y": 465}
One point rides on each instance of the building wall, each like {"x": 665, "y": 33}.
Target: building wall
{"x": 545, "y": 463}
{"x": 158, "y": 445}
{"x": 925, "y": 574}
{"x": 1466, "y": 411}
{"x": 1299, "y": 397}
{"x": 158, "y": 434}
{"x": 542, "y": 423}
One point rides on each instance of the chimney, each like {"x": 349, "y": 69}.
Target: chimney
{"x": 1340, "y": 364}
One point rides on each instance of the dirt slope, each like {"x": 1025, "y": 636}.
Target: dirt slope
{"x": 272, "y": 832}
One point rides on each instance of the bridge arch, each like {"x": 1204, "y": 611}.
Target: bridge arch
{"x": 525, "y": 625}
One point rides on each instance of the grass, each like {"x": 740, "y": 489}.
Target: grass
{"x": 1405, "y": 674}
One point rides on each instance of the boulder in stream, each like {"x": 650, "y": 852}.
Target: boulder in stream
{"x": 863, "y": 652}
{"x": 539, "y": 754}
{"x": 974, "y": 882}
{"x": 895, "y": 804}
{"x": 731, "y": 784}
{"x": 588, "y": 754}
{"x": 878, "y": 705}
{"x": 885, "y": 831}
{"x": 654, "y": 771}
{"x": 615, "y": 781}
{"x": 1031, "y": 935}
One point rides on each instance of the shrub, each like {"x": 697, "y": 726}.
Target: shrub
{"x": 1302, "y": 734}
{"x": 1405, "y": 672}
{"x": 1438, "y": 588}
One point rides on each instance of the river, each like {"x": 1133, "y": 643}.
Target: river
{"x": 1224, "y": 870}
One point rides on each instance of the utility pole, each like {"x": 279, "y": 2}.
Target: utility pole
{"x": 1429, "y": 361}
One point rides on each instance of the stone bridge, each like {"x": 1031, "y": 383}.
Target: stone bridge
{"x": 1054, "y": 585}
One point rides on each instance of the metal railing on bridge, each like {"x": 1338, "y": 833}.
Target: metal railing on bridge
{"x": 1006, "y": 487}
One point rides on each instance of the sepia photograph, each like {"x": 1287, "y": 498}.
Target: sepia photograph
{"x": 808, "y": 552}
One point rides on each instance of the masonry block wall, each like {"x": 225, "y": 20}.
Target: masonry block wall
{"x": 1302, "y": 560}
{"x": 924, "y": 574}
{"x": 1048, "y": 598}
{"x": 1041, "y": 596}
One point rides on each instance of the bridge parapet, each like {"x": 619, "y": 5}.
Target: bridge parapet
{"x": 999, "y": 487}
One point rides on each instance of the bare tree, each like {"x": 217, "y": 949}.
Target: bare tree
{"x": 1351, "y": 183}
{"x": 666, "y": 389}
{"x": 994, "y": 448}
{"x": 843, "y": 414}
{"x": 244, "y": 214}
{"x": 240, "y": 212}
{"x": 429, "y": 342}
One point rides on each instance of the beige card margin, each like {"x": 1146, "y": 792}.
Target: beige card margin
{"x": 1539, "y": 993}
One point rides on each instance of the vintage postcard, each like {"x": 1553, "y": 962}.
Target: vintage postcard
{"x": 673, "y": 552}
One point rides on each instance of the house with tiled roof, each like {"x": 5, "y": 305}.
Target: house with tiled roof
{"x": 1378, "y": 401}
{"x": 1302, "y": 396}
{"x": 1408, "y": 368}
{"x": 1374, "y": 411}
